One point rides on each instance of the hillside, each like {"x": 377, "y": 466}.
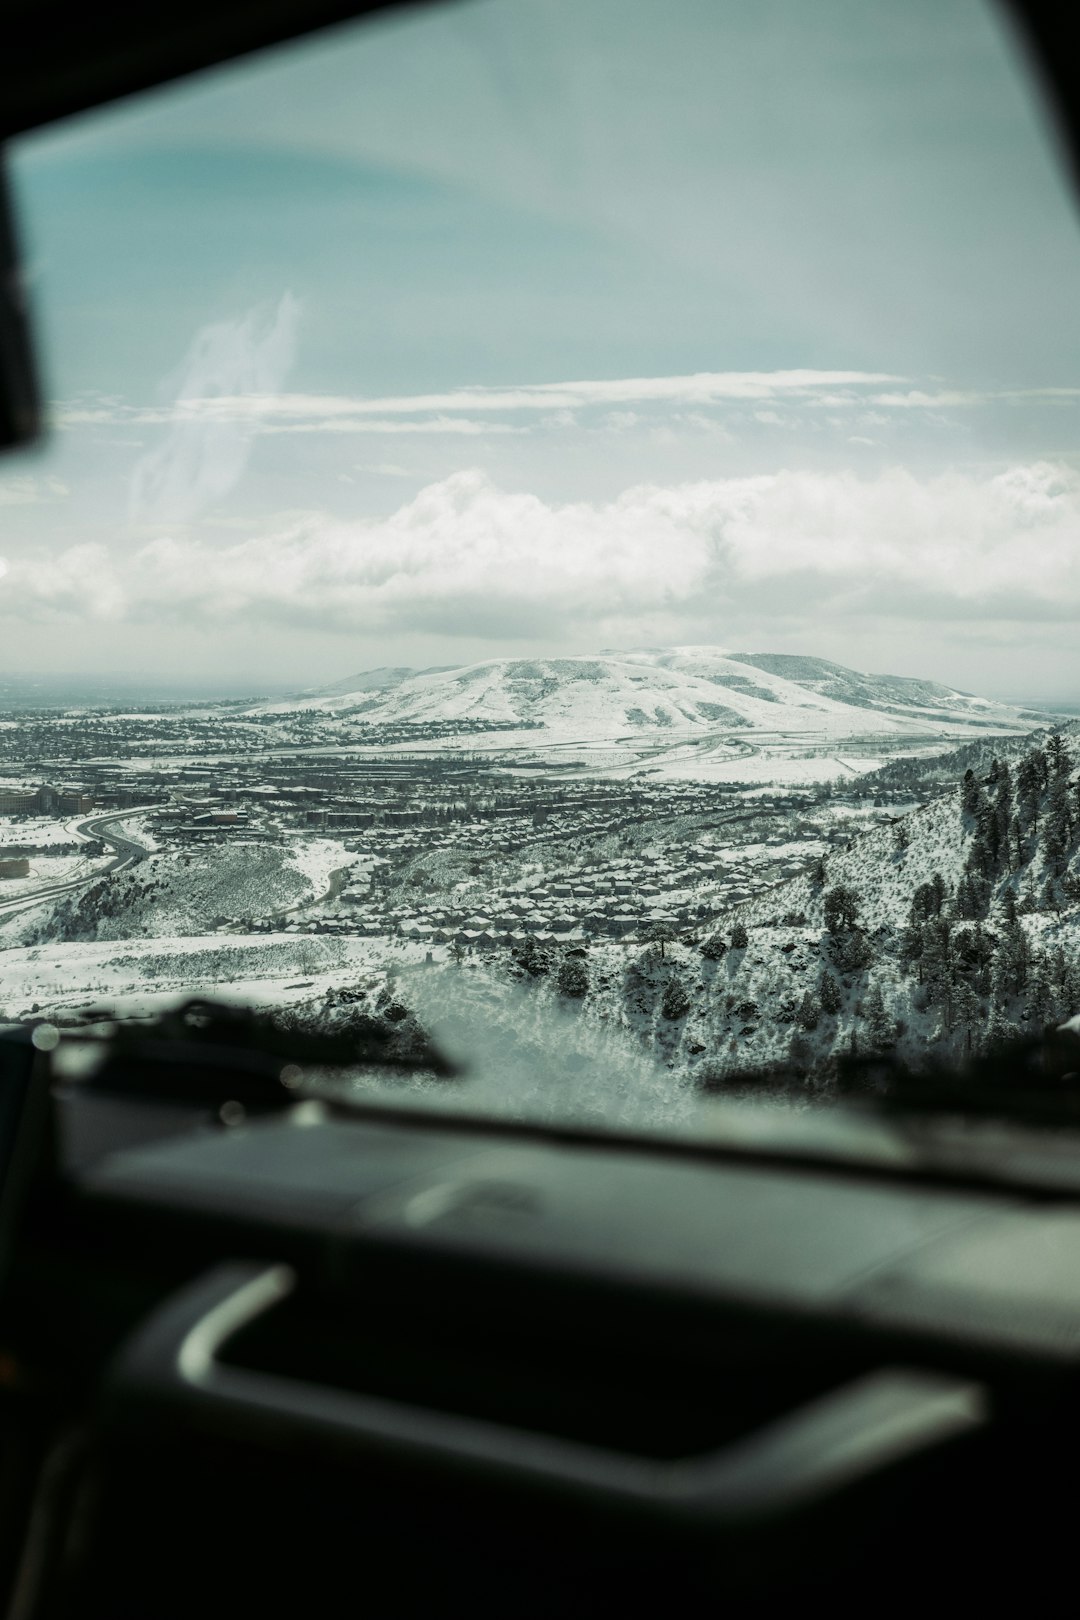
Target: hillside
{"x": 658, "y": 691}
{"x": 935, "y": 937}
{"x": 868, "y": 691}
{"x": 192, "y": 892}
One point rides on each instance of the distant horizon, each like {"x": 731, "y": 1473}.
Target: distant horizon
{"x": 114, "y": 687}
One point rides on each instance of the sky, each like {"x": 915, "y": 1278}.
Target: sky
{"x": 533, "y": 327}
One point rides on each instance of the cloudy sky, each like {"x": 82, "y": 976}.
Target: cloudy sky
{"x": 542, "y": 326}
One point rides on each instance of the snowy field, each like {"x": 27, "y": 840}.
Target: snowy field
{"x": 135, "y": 976}
{"x": 48, "y": 870}
{"x": 35, "y": 831}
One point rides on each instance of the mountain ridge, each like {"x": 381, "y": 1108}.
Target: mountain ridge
{"x": 660, "y": 690}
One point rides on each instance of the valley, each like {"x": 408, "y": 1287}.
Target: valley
{"x": 581, "y": 904}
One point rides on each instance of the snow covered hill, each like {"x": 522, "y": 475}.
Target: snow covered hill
{"x": 664, "y": 691}
{"x": 954, "y": 928}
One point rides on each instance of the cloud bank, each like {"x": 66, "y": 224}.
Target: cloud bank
{"x": 466, "y": 557}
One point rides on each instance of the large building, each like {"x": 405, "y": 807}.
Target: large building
{"x": 45, "y": 801}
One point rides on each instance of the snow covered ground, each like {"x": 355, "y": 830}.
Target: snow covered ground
{"x": 134, "y": 976}
{"x": 655, "y": 694}
{"x": 35, "y": 831}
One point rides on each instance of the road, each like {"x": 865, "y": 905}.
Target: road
{"x": 127, "y": 854}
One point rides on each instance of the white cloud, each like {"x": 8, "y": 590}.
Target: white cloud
{"x": 220, "y": 383}
{"x": 367, "y": 424}
{"x": 464, "y": 557}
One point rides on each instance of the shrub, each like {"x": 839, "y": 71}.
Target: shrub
{"x": 573, "y": 978}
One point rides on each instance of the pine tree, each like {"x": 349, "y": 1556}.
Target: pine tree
{"x": 1013, "y": 959}
{"x": 714, "y": 948}
{"x": 965, "y": 1011}
{"x": 1001, "y": 1030}
{"x": 971, "y": 794}
{"x": 852, "y": 951}
{"x": 1040, "y": 997}
{"x": 809, "y": 1012}
{"x": 1030, "y": 776}
{"x": 829, "y": 990}
{"x": 1057, "y": 824}
{"x": 1003, "y": 810}
{"x": 740, "y": 939}
{"x": 533, "y": 959}
{"x": 1015, "y": 845}
{"x": 675, "y": 1002}
{"x": 939, "y": 965}
{"x": 1057, "y": 755}
{"x": 841, "y": 906}
{"x": 901, "y": 837}
{"x": 662, "y": 934}
{"x": 880, "y": 1028}
{"x": 573, "y": 977}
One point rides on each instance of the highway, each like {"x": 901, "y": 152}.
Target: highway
{"x": 127, "y": 854}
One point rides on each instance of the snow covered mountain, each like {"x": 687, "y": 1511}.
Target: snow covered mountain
{"x": 663, "y": 690}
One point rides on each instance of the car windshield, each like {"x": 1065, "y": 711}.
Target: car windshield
{"x": 557, "y": 542}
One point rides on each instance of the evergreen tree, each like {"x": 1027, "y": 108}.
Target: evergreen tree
{"x": 880, "y": 1028}
{"x": 1001, "y": 1030}
{"x": 1013, "y": 958}
{"x": 714, "y": 948}
{"x": 1030, "y": 776}
{"x": 939, "y": 965}
{"x": 965, "y": 1011}
{"x": 1057, "y": 824}
{"x": 971, "y": 794}
{"x": 533, "y": 959}
{"x": 911, "y": 946}
{"x": 852, "y": 951}
{"x": 1027, "y": 905}
{"x": 809, "y": 1012}
{"x": 928, "y": 899}
{"x": 573, "y": 977}
{"x": 829, "y": 990}
{"x": 740, "y": 939}
{"x": 1003, "y": 811}
{"x": 901, "y": 837}
{"x": 662, "y": 934}
{"x": 1040, "y": 995}
{"x": 1057, "y": 755}
{"x": 1015, "y": 845}
{"x": 841, "y": 906}
{"x": 675, "y": 1002}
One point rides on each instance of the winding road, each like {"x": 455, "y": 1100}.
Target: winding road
{"x": 127, "y": 854}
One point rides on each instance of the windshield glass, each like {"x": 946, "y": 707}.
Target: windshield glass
{"x": 558, "y": 538}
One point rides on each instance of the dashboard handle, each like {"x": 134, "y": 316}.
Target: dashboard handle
{"x": 170, "y": 1376}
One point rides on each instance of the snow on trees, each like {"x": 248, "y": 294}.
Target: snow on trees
{"x": 831, "y": 995}
{"x": 573, "y": 977}
{"x": 841, "y": 907}
{"x": 675, "y": 1002}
